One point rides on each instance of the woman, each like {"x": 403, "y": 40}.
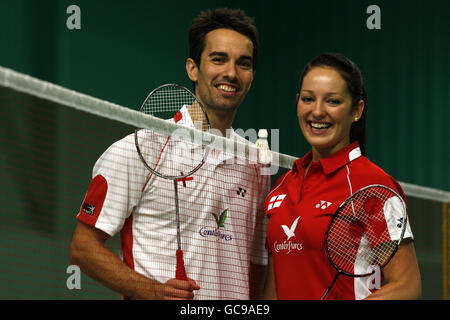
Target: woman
{"x": 331, "y": 108}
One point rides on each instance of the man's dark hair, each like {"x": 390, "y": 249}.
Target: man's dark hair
{"x": 234, "y": 19}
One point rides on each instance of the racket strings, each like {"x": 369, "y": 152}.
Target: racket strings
{"x": 166, "y": 103}
{"x": 358, "y": 237}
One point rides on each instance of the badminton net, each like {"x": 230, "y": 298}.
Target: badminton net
{"x": 53, "y": 137}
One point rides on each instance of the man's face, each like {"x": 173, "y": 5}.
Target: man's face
{"x": 225, "y": 72}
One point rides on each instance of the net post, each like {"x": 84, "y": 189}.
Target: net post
{"x": 445, "y": 251}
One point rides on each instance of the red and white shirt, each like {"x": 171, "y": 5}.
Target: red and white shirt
{"x": 300, "y": 209}
{"x": 124, "y": 197}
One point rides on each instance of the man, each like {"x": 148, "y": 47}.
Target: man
{"x": 225, "y": 252}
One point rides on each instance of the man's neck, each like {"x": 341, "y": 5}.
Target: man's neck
{"x": 221, "y": 120}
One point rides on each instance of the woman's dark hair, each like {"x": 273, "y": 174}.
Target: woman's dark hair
{"x": 350, "y": 72}
{"x": 234, "y": 19}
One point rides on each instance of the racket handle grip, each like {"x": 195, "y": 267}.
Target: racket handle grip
{"x": 180, "y": 272}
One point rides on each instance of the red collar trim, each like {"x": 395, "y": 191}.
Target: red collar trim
{"x": 336, "y": 161}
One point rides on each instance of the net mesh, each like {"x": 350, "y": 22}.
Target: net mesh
{"x": 220, "y": 188}
{"x": 51, "y": 139}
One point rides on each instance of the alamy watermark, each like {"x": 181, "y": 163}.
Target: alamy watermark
{"x": 74, "y": 279}
{"x": 240, "y": 151}
{"x": 374, "y": 20}
{"x": 73, "y": 21}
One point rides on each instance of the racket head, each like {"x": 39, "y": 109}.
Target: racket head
{"x": 366, "y": 230}
{"x": 176, "y": 104}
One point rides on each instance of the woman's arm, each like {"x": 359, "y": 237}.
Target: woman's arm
{"x": 401, "y": 275}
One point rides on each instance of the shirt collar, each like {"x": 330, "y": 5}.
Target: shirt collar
{"x": 184, "y": 115}
{"x": 335, "y": 161}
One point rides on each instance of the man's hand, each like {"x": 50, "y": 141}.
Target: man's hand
{"x": 89, "y": 252}
{"x": 175, "y": 289}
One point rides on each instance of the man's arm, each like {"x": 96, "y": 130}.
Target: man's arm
{"x": 256, "y": 279}
{"x": 270, "y": 291}
{"x": 89, "y": 252}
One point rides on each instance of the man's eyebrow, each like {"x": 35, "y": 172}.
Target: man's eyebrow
{"x": 246, "y": 58}
{"x": 218, "y": 53}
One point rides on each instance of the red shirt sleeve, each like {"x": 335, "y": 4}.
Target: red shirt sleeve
{"x": 93, "y": 201}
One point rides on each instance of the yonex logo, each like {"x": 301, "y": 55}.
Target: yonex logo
{"x": 241, "y": 192}
{"x": 276, "y": 201}
{"x": 323, "y": 204}
{"x": 400, "y": 223}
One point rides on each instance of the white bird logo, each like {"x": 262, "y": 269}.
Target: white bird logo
{"x": 290, "y": 231}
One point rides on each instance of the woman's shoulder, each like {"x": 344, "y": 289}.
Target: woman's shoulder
{"x": 367, "y": 172}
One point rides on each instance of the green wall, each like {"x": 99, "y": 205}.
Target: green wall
{"x": 124, "y": 49}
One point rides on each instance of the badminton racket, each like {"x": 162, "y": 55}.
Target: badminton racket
{"x": 167, "y": 155}
{"x": 365, "y": 231}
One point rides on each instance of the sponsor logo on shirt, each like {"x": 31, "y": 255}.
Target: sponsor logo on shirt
{"x": 88, "y": 209}
{"x": 220, "y": 220}
{"x": 323, "y": 204}
{"x": 400, "y": 222}
{"x": 288, "y": 245}
{"x": 276, "y": 201}
{"x": 211, "y": 232}
{"x": 206, "y": 232}
{"x": 241, "y": 192}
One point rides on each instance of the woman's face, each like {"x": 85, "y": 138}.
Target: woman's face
{"x": 324, "y": 109}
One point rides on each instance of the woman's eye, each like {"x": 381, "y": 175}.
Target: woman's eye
{"x": 334, "y": 101}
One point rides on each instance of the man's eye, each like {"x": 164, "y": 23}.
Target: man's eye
{"x": 246, "y": 64}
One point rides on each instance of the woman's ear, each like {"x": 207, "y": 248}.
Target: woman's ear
{"x": 358, "y": 111}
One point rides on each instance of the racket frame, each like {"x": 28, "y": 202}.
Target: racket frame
{"x": 180, "y": 272}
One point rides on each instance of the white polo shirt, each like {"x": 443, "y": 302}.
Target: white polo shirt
{"x": 125, "y": 197}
